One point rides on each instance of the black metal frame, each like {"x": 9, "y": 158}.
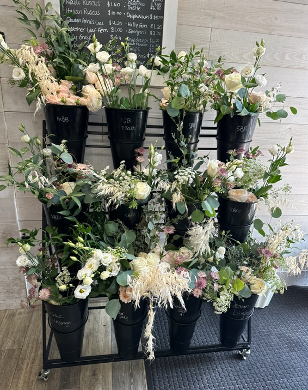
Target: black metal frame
{"x": 243, "y": 347}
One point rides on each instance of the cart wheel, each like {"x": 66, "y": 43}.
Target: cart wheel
{"x": 43, "y": 375}
{"x": 244, "y": 353}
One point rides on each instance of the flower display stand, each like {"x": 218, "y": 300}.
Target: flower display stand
{"x": 242, "y": 348}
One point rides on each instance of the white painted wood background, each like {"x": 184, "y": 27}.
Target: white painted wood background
{"x": 226, "y": 27}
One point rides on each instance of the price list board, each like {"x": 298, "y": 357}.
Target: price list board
{"x": 141, "y": 21}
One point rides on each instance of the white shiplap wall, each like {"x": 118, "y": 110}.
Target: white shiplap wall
{"x": 226, "y": 27}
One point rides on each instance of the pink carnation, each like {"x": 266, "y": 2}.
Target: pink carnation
{"x": 169, "y": 229}
{"x": 197, "y": 292}
{"x": 266, "y": 253}
{"x": 214, "y": 275}
{"x": 183, "y": 272}
{"x": 140, "y": 159}
{"x": 201, "y": 283}
{"x": 44, "y": 294}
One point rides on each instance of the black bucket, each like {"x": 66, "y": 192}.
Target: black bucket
{"x": 67, "y": 323}
{"x": 191, "y": 131}
{"x": 234, "y": 133}
{"x": 128, "y": 328}
{"x": 192, "y": 312}
{"x": 238, "y": 233}
{"x": 126, "y": 132}
{"x": 69, "y": 123}
{"x": 130, "y": 217}
{"x": 234, "y": 322}
{"x": 185, "y": 223}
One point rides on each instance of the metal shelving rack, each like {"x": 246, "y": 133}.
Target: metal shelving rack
{"x": 243, "y": 347}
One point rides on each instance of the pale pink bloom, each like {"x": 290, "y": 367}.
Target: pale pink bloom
{"x": 118, "y": 68}
{"x": 32, "y": 280}
{"x": 74, "y": 97}
{"x": 117, "y": 81}
{"x": 67, "y": 84}
{"x": 266, "y": 252}
{"x": 63, "y": 95}
{"x": 214, "y": 275}
{"x": 197, "y": 292}
{"x": 183, "y": 272}
{"x": 126, "y": 294}
{"x": 24, "y": 305}
{"x": 83, "y": 101}
{"x": 140, "y": 159}
{"x": 164, "y": 102}
{"x": 201, "y": 274}
{"x": 141, "y": 150}
{"x": 230, "y": 185}
{"x": 217, "y": 182}
{"x": 215, "y": 286}
{"x": 201, "y": 283}
{"x": 63, "y": 89}
{"x": 82, "y": 167}
{"x": 179, "y": 259}
{"x": 222, "y": 172}
{"x": 240, "y": 151}
{"x": 169, "y": 229}
{"x": 53, "y": 99}
{"x": 70, "y": 102}
{"x": 49, "y": 195}
{"x": 44, "y": 294}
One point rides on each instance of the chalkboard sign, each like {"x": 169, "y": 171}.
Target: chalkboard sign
{"x": 141, "y": 21}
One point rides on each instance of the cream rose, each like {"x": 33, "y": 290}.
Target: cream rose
{"x": 247, "y": 71}
{"x": 166, "y": 92}
{"x": 153, "y": 259}
{"x": 143, "y": 190}
{"x": 233, "y": 82}
{"x": 86, "y": 89}
{"x": 238, "y": 195}
{"x": 212, "y": 167}
{"x": 132, "y": 57}
{"x": 91, "y": 77}
{"x": 18, "y": 74}
{"x": 260, "y": 80}
{"x": 103, "y": 56}
{"x": 257, "y": 286}
{"x": 140, "y": 264}
{"x": 107, "y": 68}
{"x": 68, "y": 187}
{"x": 255, "y": 97}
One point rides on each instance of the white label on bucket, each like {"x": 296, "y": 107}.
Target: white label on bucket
{"x": 234, "y": 210}
{"x": 56, "y": 217}
{"x": 122, "y": 316}
{"x": 63, "y": 119}
{"x": 241, "y": 128}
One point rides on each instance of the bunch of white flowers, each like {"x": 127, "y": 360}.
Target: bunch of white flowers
{"x": 253, "y": 172}
{"x": 184, "y": 176}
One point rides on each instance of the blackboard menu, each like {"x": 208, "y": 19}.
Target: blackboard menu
{"x": 141, "y": 21}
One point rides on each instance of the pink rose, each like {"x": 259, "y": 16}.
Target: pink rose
{"x": 63, "y": 95}
{"x": 53, "y": 99}
{"x": 125, "y": 294}
{"x": 70, "y": 102}
{"x": 169, "y": 229}
{"x": 63, "y": 89}
{"x": 255, "y": 97}
{"x": 83, "y": 101}
{"x": 67, "y": 84}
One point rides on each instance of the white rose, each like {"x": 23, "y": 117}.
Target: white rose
{"x": 140, "y": 264}
{"x": 107, "y": 68}
{"x": 142, "y": 70}
{"x": 274, "y": 150}
{"x": 94, "y": 49}
{"x": 157, "y": 61}
{"x": 86, "y": 90}
{"x": 83, "y": 273}
{"x": 143, "y": 190}
{"x": 92, "y": 264}
{"x": 259, "y": 51}
{"x": 93, "y": 68}
{"x": 203, "y": 88}
{"x": 94, "y": 100}
{"x": 132, "y": 57}
{"x": 239, "y": 195}
{"x": 257, "y": 286}
{"x": 127, "y": 71}
{"x": 247, "y": 71}
{"x": 18, "y": 74}
{"x": 233, "y": 82}
{"x": 220, "y": 253}
{"x": 23, "y": 261}
{"x": 47, "y": 152}
{"x": 238, "y": 173}
{"x": 104, "y": 275}
{"x": 166, "y": 92}
{"x": 87, "y": 280}
{"x": 103, "y": 56}
{"x": 25, "y": 138}
{"x": 153, "y": 259}
{"x": 260, "y": 80}
{"x": 182, "y": 54}
{"x": 68, "y": 187}
{"x": 82, "y": 292}
{"x": 212, "y": 167}
{"x": 157, "y": 158}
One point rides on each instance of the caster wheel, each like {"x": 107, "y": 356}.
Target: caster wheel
{"x": 244, "y": 353}
{"x": 43, "y": 375}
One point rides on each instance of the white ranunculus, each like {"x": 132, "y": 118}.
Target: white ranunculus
{"x": 25, "y": 138}
{"x": 86, "y": 90}
{"x": 259, "y": 51}
{"x": 157, "y": 61}
{"x": 83, "y": 273}
{"x": 220, "y": 253}
{"x": 127, "y": 71}
{"x": 94, "y": 49}
{"x": 182, "y": 54}
{"x": 103, "y": 56}
{"x": 142, "y": 70}
{"x": 238, "y": 173}
{"x": 212, "y": 167}
{"x": 166, "y": 92}
{"x": 47, "y": 152}
{"x": 93, "y": 68}
{"x": 140, "y": 264}
{"x": 247, "y": 71}
{"x": 157, "y": 158}
{"x": 68, "y": 187}
{"x": 82, "y": 291}
{"x": 94, "y": 100}
{"x": 18, "y": 74}
{"x": 143, "y": 190}
{"x": 23, "y": 261}
{"x": 260, "y": 80}
{"x": 233, "y": 82}
{"x": 153, "y": 259}
{"x": 132, "y": 57}
{"x": 274, "y": 150}
{"x": 104, "y": 275}
{"x": 203, "y": 88}
{"x": 107, "y": 68}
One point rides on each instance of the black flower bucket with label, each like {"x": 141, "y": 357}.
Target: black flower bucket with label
{"x": 234, "y": 133}
{"x": 128, "y": 328}
{"x": 236, "y": 217}
{"x": 126, "y": 132}
{"x": 67, "y": 324}
{"x": 130, "y": 217}
{"x": 191, "y": 131}
{"x": 182, "y": 322}
{"x": 234, "y": 322}
{"x": 68, "y": 123}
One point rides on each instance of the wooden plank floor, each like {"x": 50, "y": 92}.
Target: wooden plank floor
{"x": 21, "y": 356}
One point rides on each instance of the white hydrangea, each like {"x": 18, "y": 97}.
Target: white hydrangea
{"x": 185, "y": 176}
